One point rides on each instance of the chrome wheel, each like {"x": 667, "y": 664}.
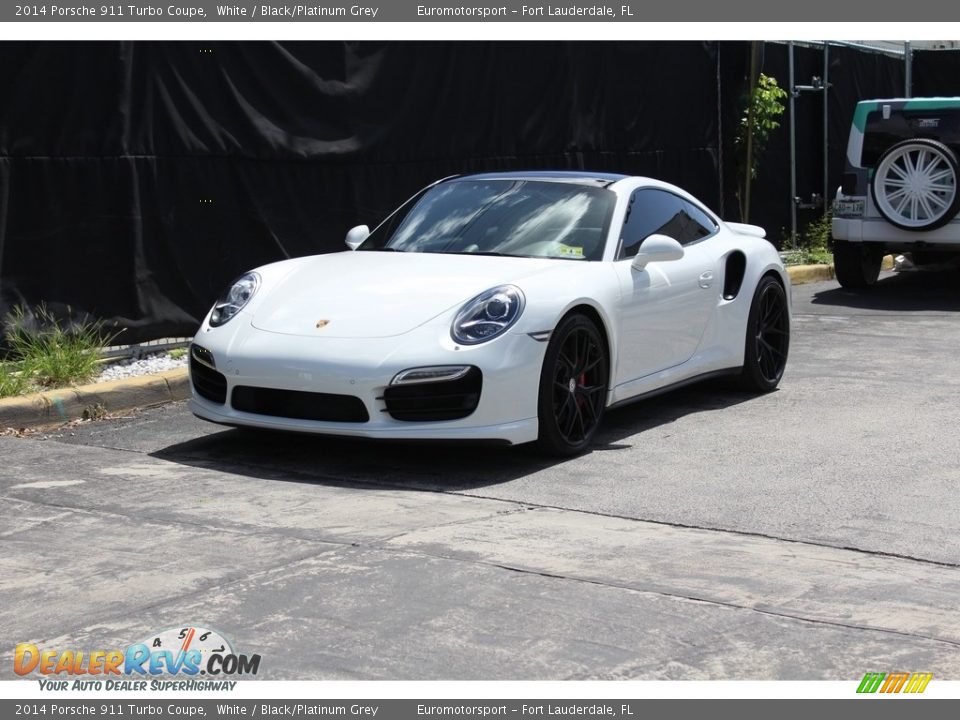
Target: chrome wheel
{"x": 915, "y": 185}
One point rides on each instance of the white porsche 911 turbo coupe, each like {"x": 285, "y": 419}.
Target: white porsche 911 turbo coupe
{"x": 514, "y": 307}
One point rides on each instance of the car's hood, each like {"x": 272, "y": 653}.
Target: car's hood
{"x": 380, "y": 294}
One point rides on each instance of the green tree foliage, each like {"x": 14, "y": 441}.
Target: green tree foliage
{"x": 767, "y": 108}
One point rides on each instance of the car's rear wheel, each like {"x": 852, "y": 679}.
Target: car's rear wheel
{"x": 915, "y": 185}
{"x": 857, "y": 264}
{"x": 573, "y": 386}
{"x": 768, "y": 337}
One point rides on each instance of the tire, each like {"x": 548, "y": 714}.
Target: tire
{"x": 573, "y": 387}
{"x": 768, "y": 338}
{"x": 915, "y": 185}
{"x": 857, "y": 265}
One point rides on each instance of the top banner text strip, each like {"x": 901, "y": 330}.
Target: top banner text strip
{"x": 416, "y": 12}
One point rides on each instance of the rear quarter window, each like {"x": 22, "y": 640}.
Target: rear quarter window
{"x": 652, "y": 210}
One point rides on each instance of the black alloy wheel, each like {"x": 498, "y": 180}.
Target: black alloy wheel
{"x": 573, "y": 386}
{"x": 768, "y": 337}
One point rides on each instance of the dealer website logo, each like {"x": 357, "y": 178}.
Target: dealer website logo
{"x": 188, "y": 652}
{"x": 899, "y": 682}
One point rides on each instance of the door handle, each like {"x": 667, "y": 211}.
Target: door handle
{"x": 706, "y": 279}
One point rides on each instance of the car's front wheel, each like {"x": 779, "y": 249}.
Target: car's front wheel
{"x": 857, "y": 264}
{"x": 768, "y": 337}
{"x": 573, "y": 386}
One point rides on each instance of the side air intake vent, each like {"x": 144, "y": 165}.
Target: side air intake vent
{"x": 733, "y": 274}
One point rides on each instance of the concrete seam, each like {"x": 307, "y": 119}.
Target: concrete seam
{"x": 343, "y": 482}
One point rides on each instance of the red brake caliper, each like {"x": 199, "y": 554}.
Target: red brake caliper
{"x": 582, "y": 382}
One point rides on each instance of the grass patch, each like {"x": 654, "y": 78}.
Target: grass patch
{"x": 805, "y": 256}
{"x": 178, "y": 353}
{"x": 13, "y": 380}
{"x": 48, "y": 353}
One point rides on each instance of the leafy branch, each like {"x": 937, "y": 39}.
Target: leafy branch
{"x": 760, "y": 117}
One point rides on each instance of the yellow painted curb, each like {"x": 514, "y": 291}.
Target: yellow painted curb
{"x": 800, "y": 274}
{"x": 55, "y": 407}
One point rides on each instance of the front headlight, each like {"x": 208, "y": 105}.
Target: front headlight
{"x": 232, "y": 301}
{"x": 488, "y": 315}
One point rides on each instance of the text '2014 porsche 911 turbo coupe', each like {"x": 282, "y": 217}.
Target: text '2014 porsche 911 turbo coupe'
{"x": 514, "y": 307}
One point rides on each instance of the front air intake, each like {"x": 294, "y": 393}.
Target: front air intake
{"x": 208, "y": 383}
{"x": 299, "y": 405}
{"x": 436, "y": 400}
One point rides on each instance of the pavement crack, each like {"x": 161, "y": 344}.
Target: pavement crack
{"x": 166, "y": 520}
{"x": 382, "y": 542}
{"x": 692, "y": 598}
{"x": 62, "y": 441}
{"x": 888, "y": 314}
{"x": 731, "y": 531}
{"x": 291, "y": 475}
{"x": 223, "y": 466}
{"x": 220, "y": 585}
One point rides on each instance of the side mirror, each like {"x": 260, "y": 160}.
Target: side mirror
{"x": 356, "y": 236}
{"x": 657, "y": 248}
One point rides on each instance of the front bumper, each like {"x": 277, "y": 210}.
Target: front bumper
{"x": 362, "y": 369}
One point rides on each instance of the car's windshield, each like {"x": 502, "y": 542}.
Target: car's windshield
{"x": 524, "y": 218}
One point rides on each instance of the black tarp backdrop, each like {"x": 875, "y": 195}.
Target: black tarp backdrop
{"x": 855, "y": 74}
{"x": 936, "y": 73}
{"x": 138, "y": 178}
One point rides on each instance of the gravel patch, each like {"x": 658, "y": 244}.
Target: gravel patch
{"x": 146, "y": 365}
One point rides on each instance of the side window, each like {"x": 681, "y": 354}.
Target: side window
{"x": 655, "y": 211}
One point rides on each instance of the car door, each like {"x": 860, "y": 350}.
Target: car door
{"x": 666, "y": 306}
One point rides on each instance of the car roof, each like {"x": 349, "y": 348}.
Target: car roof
{"x": 946, "y": 100}
{"x": 570, "y": 176}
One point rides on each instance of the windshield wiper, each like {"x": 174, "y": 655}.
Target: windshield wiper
{"x": 491, "y": 253}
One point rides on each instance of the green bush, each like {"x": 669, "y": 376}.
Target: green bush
{"x": 811, "y": 246}
{"x": 50, "y": 354}
{"x": 816, "y": 236}
{"x": 814, "y": 241}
